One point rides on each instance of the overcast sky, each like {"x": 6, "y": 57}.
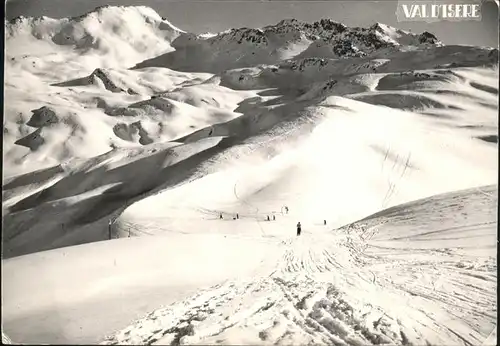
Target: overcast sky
{"x": 214, "y": 16}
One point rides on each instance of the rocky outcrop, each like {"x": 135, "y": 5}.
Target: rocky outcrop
{"x": 43, "y": 116}
{"x": 32, "y": 141}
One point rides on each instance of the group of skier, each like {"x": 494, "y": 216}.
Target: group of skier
{"x": 269, "y": 219}
{"x": 299, "y": 226}
{"x": 236, "y": 217}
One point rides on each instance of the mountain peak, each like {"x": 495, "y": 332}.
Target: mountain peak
{"x": 288, "y": 21}
{"x": 330, "y": 25}
{"x": 125, "y": 34}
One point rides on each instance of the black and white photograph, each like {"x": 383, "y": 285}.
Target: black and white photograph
{"x": 250, "y": 172}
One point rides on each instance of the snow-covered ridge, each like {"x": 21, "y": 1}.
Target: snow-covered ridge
{"x": 102, "y": 17}
{"x": 288, "y": 39}
{"x": 104, "y": 78}
{"x": 375, "y": 37}
{"x": 127, "y": 34}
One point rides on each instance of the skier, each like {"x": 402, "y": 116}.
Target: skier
{"x": 274, "y": 217}
{"x": 268, "y": 219}
{"x": 286, "y": 209}
{"x": 237, "y": 215}
{"x": 220, "y": 216}
{"x": 324, "y": 222}
{"x": 299, "y": 228}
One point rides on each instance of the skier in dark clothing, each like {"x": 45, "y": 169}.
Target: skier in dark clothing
{"x": 324, "y": 222}
{"x": 274, "y": 217}
{"x": 268, "y": 218}
{"x": 237, "y": 216}
{"x": 299, "y": 228}
{"x": 220, "y": 216}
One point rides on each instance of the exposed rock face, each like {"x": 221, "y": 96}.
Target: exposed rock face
{"x": 43, "y": 116}
{"x": 101, "y": 75}
{"x": 32, "y": 141}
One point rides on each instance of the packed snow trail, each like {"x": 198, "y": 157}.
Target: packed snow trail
{"x": 342, "y": 287}
{"x": 299, "y": 302}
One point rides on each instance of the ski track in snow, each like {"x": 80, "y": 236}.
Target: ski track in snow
{"x": 337, "y": 288}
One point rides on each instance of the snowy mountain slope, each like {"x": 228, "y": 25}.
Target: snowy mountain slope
{"x": 370, "y": 119}
{"x": 149, "y": 82}
{"x": 74, "y": 106}
{"x": 122, "y": 34}
{"x": 417, "y": 219}
{"x": 467, "y": 242}
{"x": 297, "y": 155}
{"x": 375, "y": 165}
{"x": 301, "y": 72}
{"x": 320, "y": 287}
{"x": 90, "y": 191}
{"x": 323, "y": 289}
